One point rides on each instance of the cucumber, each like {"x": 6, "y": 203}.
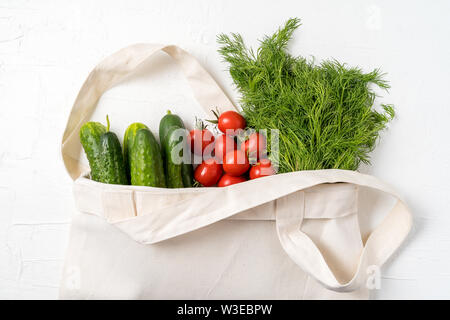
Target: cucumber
{"x": 104, "y": 153}
{"x": 146, "y": 164}
{"x": 90, "y": 134}
{"x": 177, "y": 175}
{"x": 167, "y": 123}
{"x": 173, "y": 169}
{"x": 112, "y": 169}
{"x": 187, "y": 174}
{"x": 128, "y": 140}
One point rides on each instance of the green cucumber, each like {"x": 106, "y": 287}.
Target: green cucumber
{"x": 90, "y": 134}
{"x": 173, "y": 168}
{"x": 112, "y": 166}
{"x": 177, "y": 175}
{"x": 104, "y": 153}
{"x": 146, "y": 164}
{"x": 128, "y": 140}
{"x": 167, "y": 123}
{"x": 111, "y": 159}
{"x": 187, "y": 174}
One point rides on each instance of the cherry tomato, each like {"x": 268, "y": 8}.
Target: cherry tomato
{"x": 255, "y": 146}
{"x": 236, "y": 163}
{"x": 223, "y": 145}
{"x": 200, "y": 139}
{"x": 230, "y": 122}
{"x": 261, "y": 170}
{"x": 265, "y": 163}
{"x": 208, "y": 172}
{"x": 228, "y": 180}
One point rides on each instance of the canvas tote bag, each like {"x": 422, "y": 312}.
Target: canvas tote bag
{"x": 288, "y": 236}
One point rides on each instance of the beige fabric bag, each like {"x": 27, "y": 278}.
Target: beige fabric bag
{"x": 289, "y": 236}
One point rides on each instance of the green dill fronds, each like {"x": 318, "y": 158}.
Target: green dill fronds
{"x": 324, "y": 112}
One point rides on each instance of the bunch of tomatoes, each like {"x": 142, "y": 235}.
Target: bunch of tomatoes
{"x": 229, "y": 163}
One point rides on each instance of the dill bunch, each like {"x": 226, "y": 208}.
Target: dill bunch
{"x": 324, "y": 112}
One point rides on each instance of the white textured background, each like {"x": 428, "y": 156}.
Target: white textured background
{"x": 47, "y": 48}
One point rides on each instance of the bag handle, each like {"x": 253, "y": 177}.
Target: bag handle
{"x": 117, "y": 68}
{"x": 196, "y": 213}
{"x": 380, "y": 245}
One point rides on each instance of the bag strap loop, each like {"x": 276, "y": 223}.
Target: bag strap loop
{"x": 117, "y": 68}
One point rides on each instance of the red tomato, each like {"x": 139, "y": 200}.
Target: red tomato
{"x": 265, "y": 163}
{"x": 223, "y": 145}
{"x": 208, "y": 172}
{"x": 228, "y": 180}
{"x": 255, "y": 146}
{"x": 199, "y": 140}
{"x": 261, "y": 170}
{"x": 236, "y": 163}
{"x": 230, "y": 122}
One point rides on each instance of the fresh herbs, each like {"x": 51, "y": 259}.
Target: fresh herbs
{"x": 324, "y": 113}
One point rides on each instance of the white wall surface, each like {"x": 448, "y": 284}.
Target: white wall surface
{"x": 47, "y": 48}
